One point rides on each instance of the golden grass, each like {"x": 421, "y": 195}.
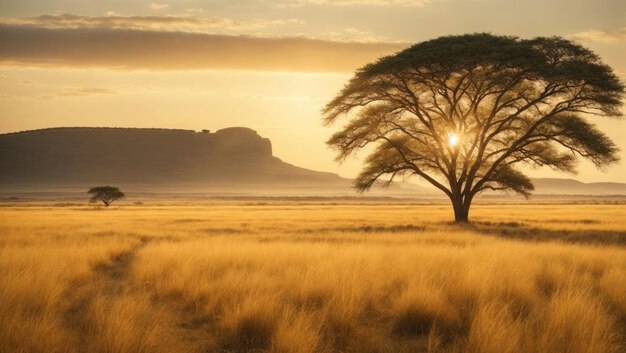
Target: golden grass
{"x": 324, "y": 278}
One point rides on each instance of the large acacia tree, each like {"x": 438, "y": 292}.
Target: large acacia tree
{"x": 462, "y": 112}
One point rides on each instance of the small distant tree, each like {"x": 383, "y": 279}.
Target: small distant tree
{"x": 106, "y": 194}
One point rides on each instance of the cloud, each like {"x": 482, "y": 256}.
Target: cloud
{"x": 182, "y": 23}
{"x": 156, "y": 6}
{"x": 67, "y": 93}
{"x": 352, "y": 34}
{"x": 77, "y": 92}
{"x": 606, "y": 36}
{"x": 165, "y": 50}
{"x": 298, "y": 3}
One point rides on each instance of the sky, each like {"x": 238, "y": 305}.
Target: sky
{"x": 267, "y": 65}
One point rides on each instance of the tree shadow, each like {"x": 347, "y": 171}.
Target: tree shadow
{"x": 519, "y": 231}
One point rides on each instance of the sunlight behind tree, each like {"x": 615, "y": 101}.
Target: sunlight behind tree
{"x": 453, "y": 139}
{"x": 510, "y": 101}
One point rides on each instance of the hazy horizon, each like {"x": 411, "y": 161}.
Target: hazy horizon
{"x": 269, "y": 66}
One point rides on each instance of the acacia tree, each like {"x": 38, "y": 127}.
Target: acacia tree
{"x": 463, "y": 111}
{"x": 106, "y": 194}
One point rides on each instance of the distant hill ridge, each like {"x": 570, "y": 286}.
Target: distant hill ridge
{"x": 146, "y": 155}
{"x": 558, "y": 186}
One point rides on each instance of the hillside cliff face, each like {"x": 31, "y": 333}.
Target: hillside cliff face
{"x": 122, "y": 155}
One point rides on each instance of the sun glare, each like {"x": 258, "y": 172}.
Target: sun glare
{"x": 453, "y": 139}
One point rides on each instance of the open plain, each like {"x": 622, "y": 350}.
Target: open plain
{"x": 312, "y": 277}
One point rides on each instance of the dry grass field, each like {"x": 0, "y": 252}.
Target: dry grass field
{"x": 311, "y": 278}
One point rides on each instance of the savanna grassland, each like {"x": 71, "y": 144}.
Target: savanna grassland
{"x": 285, "y": 277}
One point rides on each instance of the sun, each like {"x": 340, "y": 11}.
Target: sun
{"x": 453, "y": 139}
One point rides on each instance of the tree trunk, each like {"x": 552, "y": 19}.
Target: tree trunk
{"x": 461, "y": 211}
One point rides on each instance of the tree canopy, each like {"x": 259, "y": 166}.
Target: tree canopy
{"x": 463, "y": 111}
{"x": 106, "y": 194}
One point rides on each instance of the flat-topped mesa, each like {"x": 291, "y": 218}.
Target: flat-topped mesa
{"x": 136, "y": 155}
{"x": 235, "y": 140}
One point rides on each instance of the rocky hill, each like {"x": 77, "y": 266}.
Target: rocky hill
{"x": 232, "y": 156}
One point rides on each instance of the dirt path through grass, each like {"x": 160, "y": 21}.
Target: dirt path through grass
{"x": 107, "y": 281}
{"x": 111, "y": 283}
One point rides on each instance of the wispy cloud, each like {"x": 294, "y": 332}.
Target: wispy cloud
{"x": 179, "y": 23}
{"x": 298, "y": 3}
{"x": 77, "y": 92}
{"x": 165, "y": 50}
{"x": 71, "y": 92}
{"x": 606, "y": 36}
{"x": 157, "y": 6}
{"x": 352, "y": 34}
